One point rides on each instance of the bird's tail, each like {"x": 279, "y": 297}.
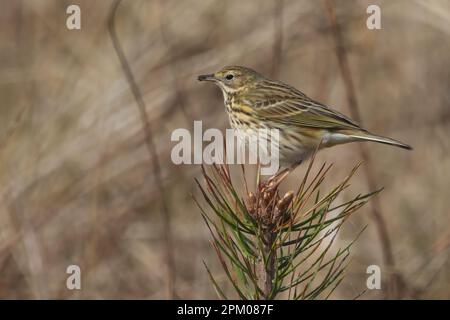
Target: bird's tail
{"x": 367, "y": 136}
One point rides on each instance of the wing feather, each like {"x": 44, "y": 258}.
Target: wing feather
{"x": 290, "y": 106}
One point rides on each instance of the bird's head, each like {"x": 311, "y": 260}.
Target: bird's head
{"x": 232, "y": 79}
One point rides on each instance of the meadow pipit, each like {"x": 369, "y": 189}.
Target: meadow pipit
{"x": 255, "y": 102}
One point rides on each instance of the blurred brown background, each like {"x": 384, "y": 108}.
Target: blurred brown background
{"x": 77, "y": 183}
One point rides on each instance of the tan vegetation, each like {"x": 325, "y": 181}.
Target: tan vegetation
{"x": 78, "y": 183}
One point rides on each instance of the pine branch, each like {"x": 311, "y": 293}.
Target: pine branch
{"x": 268, "y": 244}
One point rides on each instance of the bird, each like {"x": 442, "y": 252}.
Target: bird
{"x": 254, "y": 102}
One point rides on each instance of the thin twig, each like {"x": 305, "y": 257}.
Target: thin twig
{"x": 397, "y": 283}
{"x": 178, "y": 99}
{"x": 170, "y": 276}
{"x": 277, "y": 39}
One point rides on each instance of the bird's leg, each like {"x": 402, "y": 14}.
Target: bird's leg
{"x": 276, "y": 179}
{"x": 281, "y": 174}
{"x": 295, "y": 165}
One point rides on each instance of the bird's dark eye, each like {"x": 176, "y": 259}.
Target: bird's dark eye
{"x": 229, "y": 76}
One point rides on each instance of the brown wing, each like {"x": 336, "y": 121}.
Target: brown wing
{"x": 287, "y": 105}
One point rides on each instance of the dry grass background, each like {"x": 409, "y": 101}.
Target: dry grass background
{"x": 77, "y": 184}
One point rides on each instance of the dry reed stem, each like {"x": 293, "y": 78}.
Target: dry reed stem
{"x": 397, "y": 284}
{"x": 170, "y": 275}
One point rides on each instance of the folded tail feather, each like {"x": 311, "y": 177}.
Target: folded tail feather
{"x": 367, "y": 136}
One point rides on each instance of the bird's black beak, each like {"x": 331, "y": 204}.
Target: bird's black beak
{"x": 206, "y": 77}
